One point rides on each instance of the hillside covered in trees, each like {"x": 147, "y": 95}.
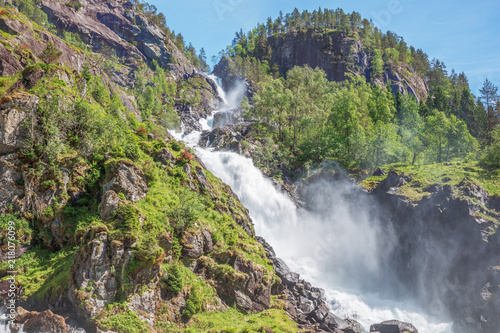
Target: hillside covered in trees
{"x": 120, "y": 228}
{"x": 330, "y": 85}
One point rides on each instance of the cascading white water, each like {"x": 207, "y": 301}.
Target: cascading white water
{"x": 336, "y": 249}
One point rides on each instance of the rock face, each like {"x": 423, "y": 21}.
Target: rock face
{"x": 109, "y": 204}
{"x": 336, "y": 54}
{"x": 36, "y": 322}
{"x": 444, "y": 234}
{"x": 305, "y": 303}
{"x": 120, "y": 27}
{"x": 126, "y": 178}
{"x": 393, "y": 326}
{"x": 34, "y": 40}
{"x": 13, "y": 128}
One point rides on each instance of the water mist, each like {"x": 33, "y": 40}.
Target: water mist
{"x": 339, "y": 241}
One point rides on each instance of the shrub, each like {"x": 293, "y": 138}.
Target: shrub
{"x": 193, "y": 305}
{"x": 174, "y": 280}
{"x": 175, "y": 146}
{"x": 141, "y": 132}
{"x": 186, "y": 157}
{"x": 127, "y": 321}
{"x": 50, "y": 54}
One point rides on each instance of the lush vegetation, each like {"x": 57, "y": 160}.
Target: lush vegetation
{"x": 358, "y": 122}
{"x": 355, "y": 123}
{"x": 77, "y": 136}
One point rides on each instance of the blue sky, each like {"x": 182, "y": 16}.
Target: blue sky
{"x": 462, "y": 34}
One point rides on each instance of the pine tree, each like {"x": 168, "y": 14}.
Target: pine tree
{"x": 51, "y": 54}
{"x": 203, "y": 61}
{"x": 489, "y": 97}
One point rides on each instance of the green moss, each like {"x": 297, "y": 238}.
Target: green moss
{"x": 423, "y": 176}
{"x": 43, "y": 274}
{"x": 120, "y": 320}
{"x": 234, "y": 321}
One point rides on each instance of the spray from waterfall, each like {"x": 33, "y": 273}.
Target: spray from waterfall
{"x": 338, "y": 241}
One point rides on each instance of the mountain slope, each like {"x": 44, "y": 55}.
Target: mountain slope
{"x": 120, "y": 227}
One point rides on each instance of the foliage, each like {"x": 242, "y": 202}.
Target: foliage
{"x": 125, "y": 321}
{"x": 186, "y": 211}
{"x": 174, "y": 280}
{"x": 44, "y": 274}
{"x": 491, "y": 157}
{"x": 50, "y": 54}
{"x": 193, "y": 305}
{"x": 234, "y": 321}
{"x": 355, "y": 123}
{"x": 21, "y": 226}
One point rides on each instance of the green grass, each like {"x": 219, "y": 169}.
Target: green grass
{"x": 423, "y": 176}
{"x": 121, "y": 320}
{"x": 44, "y": 274}
{"x": 233, "y": 321}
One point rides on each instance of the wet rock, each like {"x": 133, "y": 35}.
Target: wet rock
{"x": 45, "y": 321}
{"x": 222, "y": 118}
{"x": 126, "y": 178}
{"x": 393, "y": 326}
{"x": 379, "y": 172}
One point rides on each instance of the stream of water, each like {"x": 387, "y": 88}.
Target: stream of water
{"x": 336, "y": 247}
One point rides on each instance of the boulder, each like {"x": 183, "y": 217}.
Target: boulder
{"x": 197, "y": 244}
{"x": 165, "y": 157}
{"x": 222, "y": 118}
{"x": 14, "y": 110}
{"x": 45, "y": 321}
{"x": 393, "y": 326}
{"x": 129, "y": 180}
{"x": 109, "y": 204}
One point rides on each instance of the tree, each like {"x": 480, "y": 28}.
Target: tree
{"x": 489, "y": 97}
{"x": 203, "y": 61}
{"x": 50, "y": 54}
{"x": 411, "y": 126}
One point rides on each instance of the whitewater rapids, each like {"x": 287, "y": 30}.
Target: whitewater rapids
{"x": 304, "y": 239}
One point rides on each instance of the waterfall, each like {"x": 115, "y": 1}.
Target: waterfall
{"x": 335, "y": 246}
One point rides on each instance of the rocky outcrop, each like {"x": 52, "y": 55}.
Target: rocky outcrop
{"x": 247, "y": 285}
{"x": 335, "y": 53}
{"x": 393, "y": 326}
{"x": 14, "y": 129}
{"x": 197, "y": 244}
{"x": 36, "y": 322}
{"x": 444, "y": 233}
{"x": 34, "y": 41}
{"x": 307, "y": 304}
{"x": 126, "y": 178}
{"x": 120, "y": 27}
{"x": 11, "y": 189}
{"x": 109, "y": 204}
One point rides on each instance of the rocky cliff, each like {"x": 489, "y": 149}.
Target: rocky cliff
{"x": 335, "y": 53}
{"x": 447, "y": 256}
